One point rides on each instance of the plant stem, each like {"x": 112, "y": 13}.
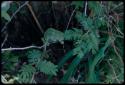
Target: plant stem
{"x": 34, "y": 16}
{"x": 113, "y": 71}
{"x": 85, "y": 7}
{"x": 4, "y": 40}
{"x": 70, "y": 18}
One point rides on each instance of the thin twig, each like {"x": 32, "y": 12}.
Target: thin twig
{"x": 14, "y": 15}
{"x": 101, "y": 2}
{"x": 113, "y": 44}
{"x": 32, "y": 78}
{"x": 70, "y": 18}
{"x": 113, "y": 71}
{"x": 85, "y": 7}
{"x": 120, "y": 4}
{"x": 4, "y": 40}
{"x": 106, "y": 32}
{"x": 116, "y": 27}
{"x": 120, "y": 58}
{"x": 23, "y": 48}
{"x": 35, "y": 18}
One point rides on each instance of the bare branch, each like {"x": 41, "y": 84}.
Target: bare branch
{"x": 4, "y": 40}
{"x": 23, "y": 48}
{"x": 85, "y": 8}
{"x": 70, "y": 18}
{"x": 35, "y": 18}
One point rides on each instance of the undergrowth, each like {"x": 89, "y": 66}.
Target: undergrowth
{"x": 99, "y": 34}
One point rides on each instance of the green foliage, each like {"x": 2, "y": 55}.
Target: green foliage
{"x": 4, "y": 8}
{"x": 65, "y": 58}
{"x": 34, "y": 56}
{"x": 13, "y": 7}
{"x": 73, "y": 34}
{"x": 78, "y": 4}
{"x": 47, "y": 67}
{"x": 121, "y": 24}
{"x": 9, "y": 60}
{"x": 72, "y": 67}
{"x": 92, "y": 76}
{"x": 83, "y": 43}
{"x": 89, "y": 40}
{"x": 37, "y": 64}
{"x": 96, "y": 7}
{"x": 27, "y": 72}
{"x": 87, "y": 23}
{"x": 53, "y": 36}
{"x": 92, "y": 53}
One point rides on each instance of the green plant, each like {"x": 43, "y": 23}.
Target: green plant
{"x": 97, "y": 46}
{"x": 36, "y": 64}
{"x": 26, "y": 73}
{"x": 4, "y": 8}
{"x": 9, "y": 60}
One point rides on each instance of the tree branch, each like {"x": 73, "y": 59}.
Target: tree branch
{"x": 23, "y": 48}
{"x": 85, "y": 8}
{"x": 70, "y": 19}
{"x": 35, "y": 18}
{"x": 5, "y": 39}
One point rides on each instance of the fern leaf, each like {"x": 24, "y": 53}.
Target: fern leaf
{"x": 94, "y": 42}
{"x": 47, "y": 67}
{"x": 87, "y": 23}
{"x": 34, "y": 56}
{"x": 73, "y": 34}
{"x": 9, "y": 60}
{"x": 94, "y": 6}
{"x": 78, "y": 4}
{"x": 26, "y": 73}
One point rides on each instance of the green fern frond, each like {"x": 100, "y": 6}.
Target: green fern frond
{"x": 26, "y": 74}
{"x": 47, "y": 67}
{"x": 87, "y": 23}
{"x": 34, "y": 55}
{"x": 83, "y": 43}
{"x": 94, "y": 42}
{"x": 78, "y": 4}
{"x": 73, "y": 34}
{"x": 94, "y": 5}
